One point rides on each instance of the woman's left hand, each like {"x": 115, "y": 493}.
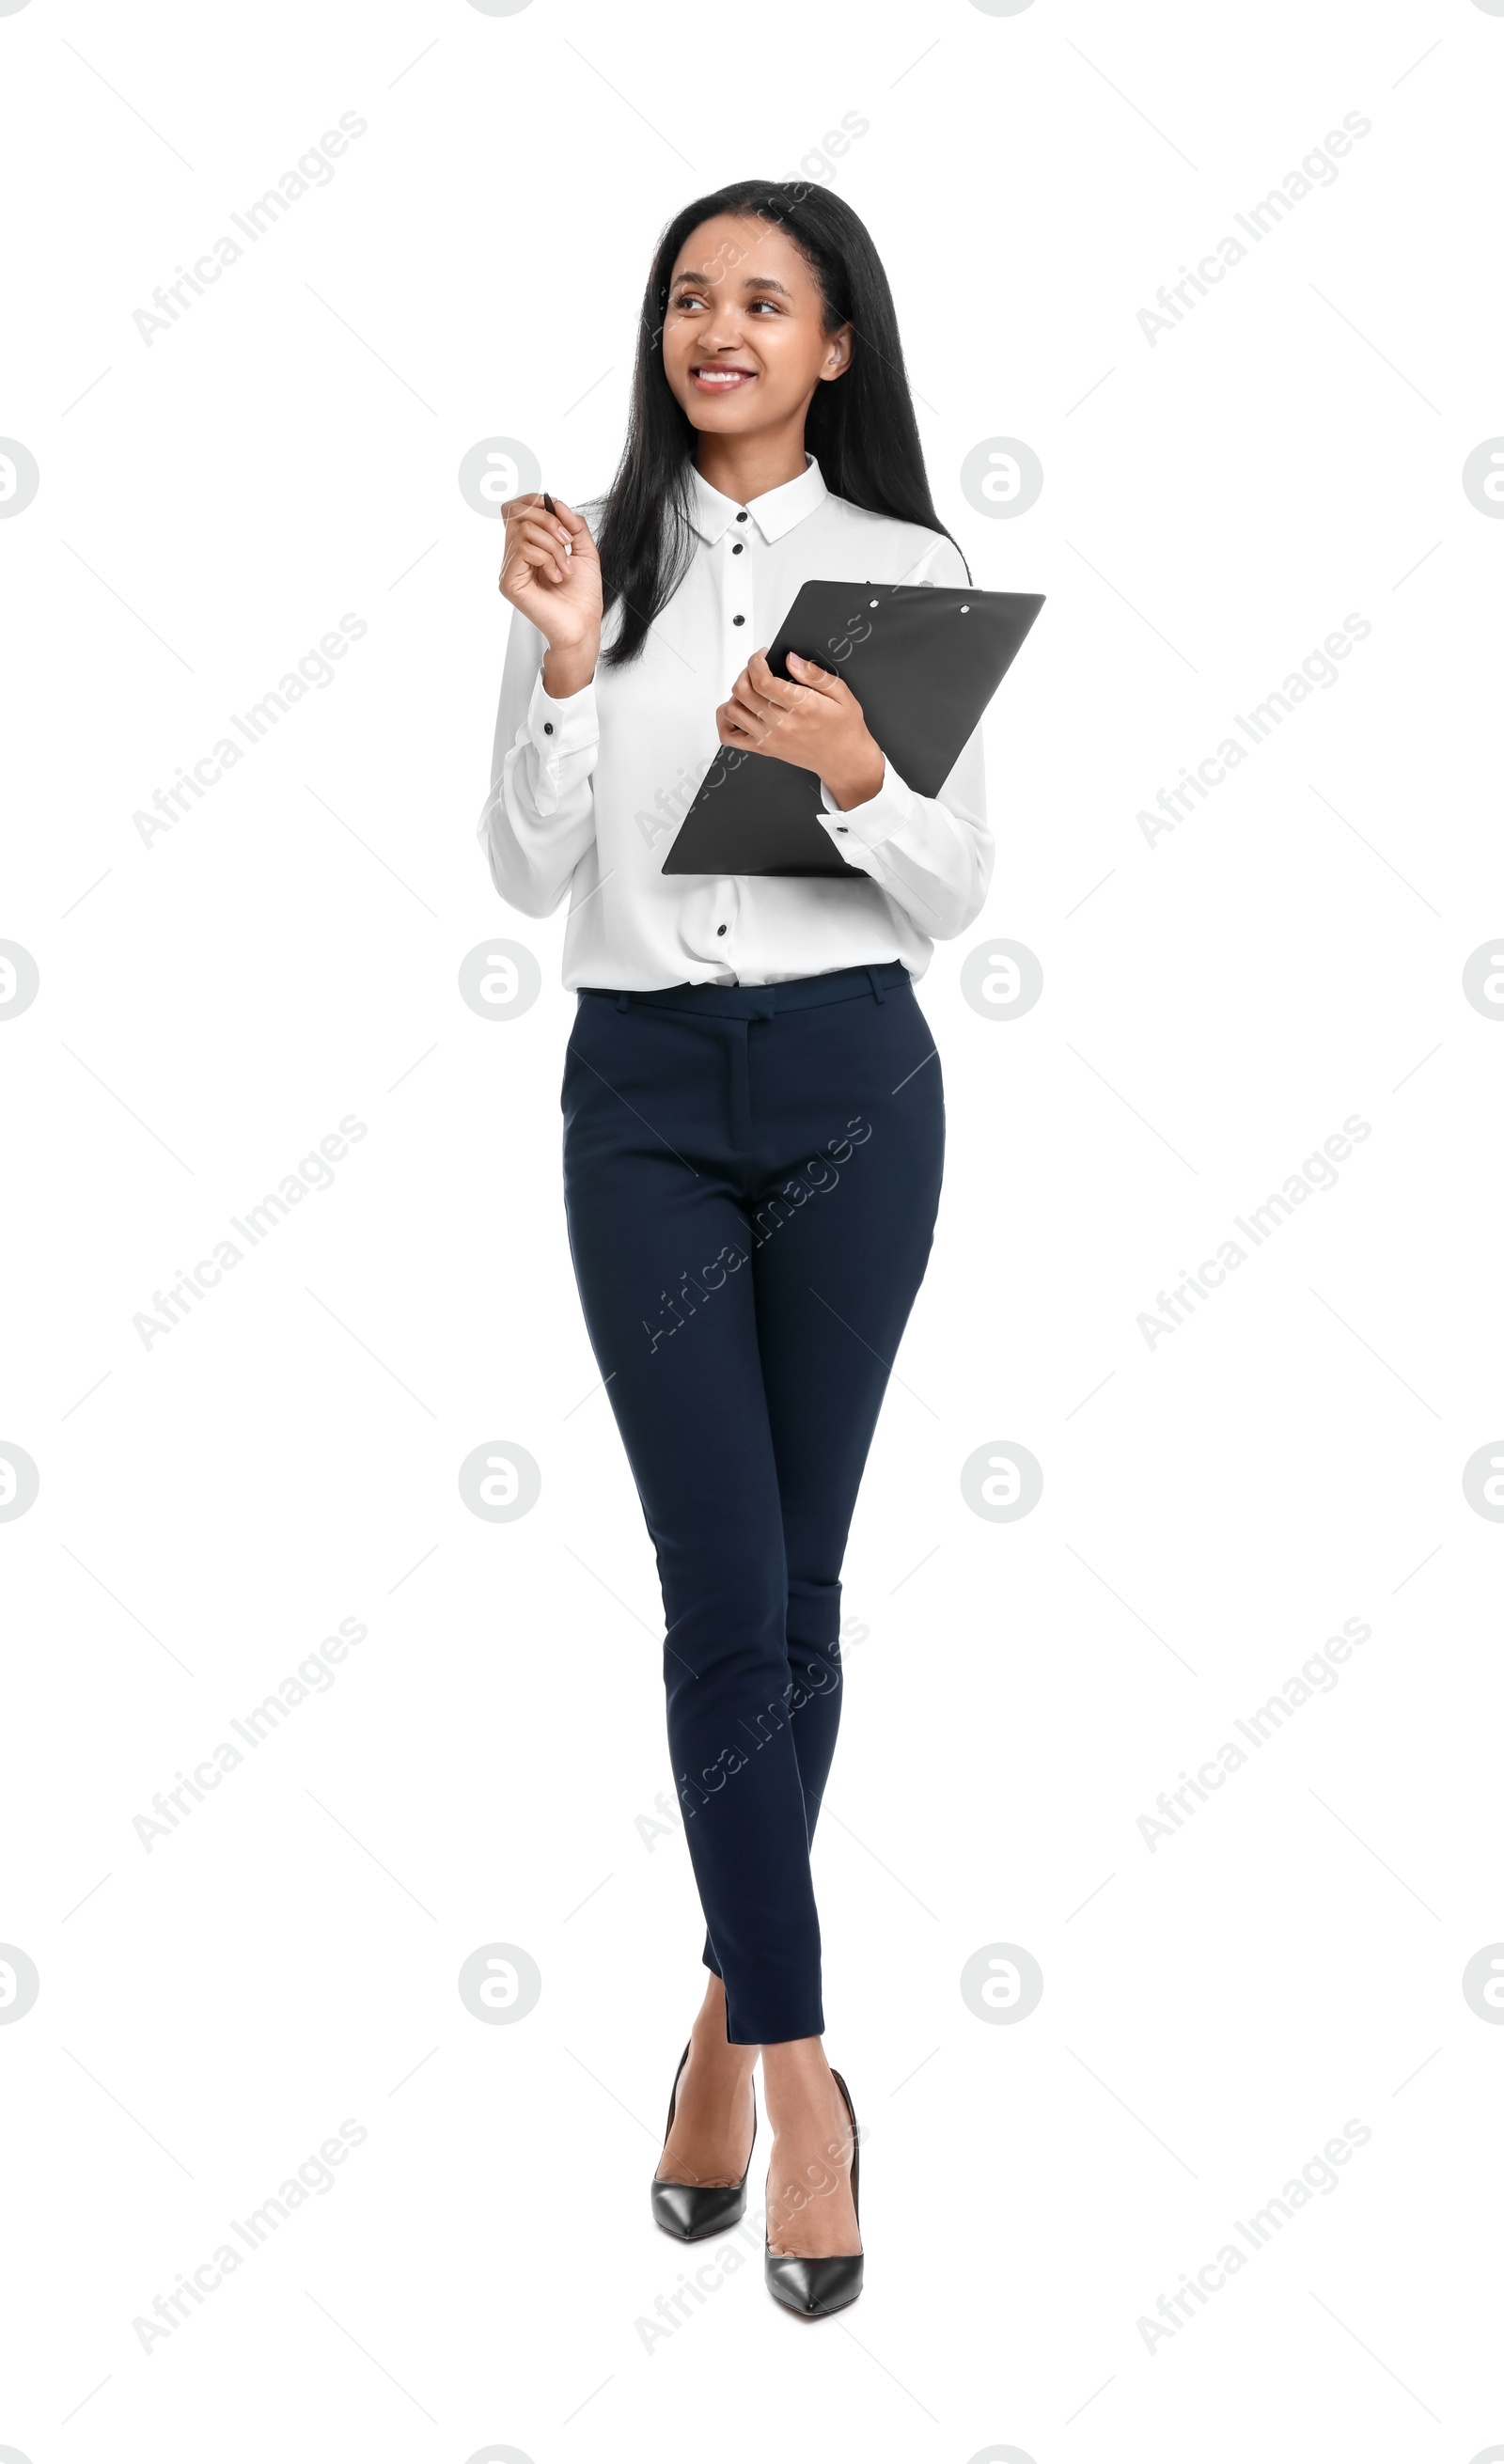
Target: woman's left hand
{"x": 816, "y": 723}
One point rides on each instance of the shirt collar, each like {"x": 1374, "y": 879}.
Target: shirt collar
{"x": 774, "y": 513}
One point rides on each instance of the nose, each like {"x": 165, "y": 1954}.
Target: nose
{"x": 724, "y": 336}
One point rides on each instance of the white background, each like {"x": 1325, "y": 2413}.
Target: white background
{"x": 1215, "y": 1005}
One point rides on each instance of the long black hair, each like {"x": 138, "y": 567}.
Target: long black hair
{"x": 860, "y": 426}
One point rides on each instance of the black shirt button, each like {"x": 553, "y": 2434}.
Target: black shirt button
{"x": 741, "y": 518}
{"x": 736, "y": 547}
{"x": 738, "y": 620}
{"x": 840, "y": 831}
{"x": 548, "y": 727}
{"x": 720, "y": 929}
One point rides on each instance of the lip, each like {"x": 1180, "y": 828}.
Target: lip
{"x": 720, "y": 380}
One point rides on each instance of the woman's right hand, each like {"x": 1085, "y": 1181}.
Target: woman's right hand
{"x": 551, "y": 573}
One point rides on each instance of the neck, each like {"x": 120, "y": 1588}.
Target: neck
{"x": 745, "y": 467}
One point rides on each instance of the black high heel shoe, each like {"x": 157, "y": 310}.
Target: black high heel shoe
{"x": 815, "y": 2287}
{"x": 692, "y": 2210}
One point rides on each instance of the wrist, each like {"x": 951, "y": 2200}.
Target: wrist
{"x": 569, "y": 668}
{"x": 858, "y": 781}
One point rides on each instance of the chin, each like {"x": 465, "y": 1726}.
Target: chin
{"x": 728, "y": 417}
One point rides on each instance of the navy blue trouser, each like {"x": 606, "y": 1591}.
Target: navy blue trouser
{"x": 750, "y": 1181}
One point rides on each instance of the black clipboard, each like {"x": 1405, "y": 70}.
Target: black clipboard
{"x": 922, "y": 662}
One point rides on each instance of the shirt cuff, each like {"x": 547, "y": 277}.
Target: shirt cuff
{"x": 560, "y": 727}
{"x": 869, "y": 824}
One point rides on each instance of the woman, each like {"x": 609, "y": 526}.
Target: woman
{"x": 753, "y": 1115}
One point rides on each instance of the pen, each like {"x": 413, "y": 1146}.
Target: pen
{"x": 554, "y": 510}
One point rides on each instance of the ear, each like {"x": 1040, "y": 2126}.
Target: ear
{"x": 837, "y": 355}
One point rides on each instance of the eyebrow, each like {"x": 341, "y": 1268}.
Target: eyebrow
{"x": 752, "y": 282}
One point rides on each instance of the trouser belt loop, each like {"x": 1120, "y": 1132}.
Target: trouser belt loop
{"x": 878, "y": 988}
{"x": 623, "y": 999}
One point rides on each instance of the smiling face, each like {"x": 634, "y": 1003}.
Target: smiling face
{"x": 744, "y": 339}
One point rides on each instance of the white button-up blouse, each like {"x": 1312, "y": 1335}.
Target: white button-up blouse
{"x": 587, "y": 793}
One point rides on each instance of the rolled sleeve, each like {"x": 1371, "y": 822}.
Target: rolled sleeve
{"x": 538, "y": 821}
{"x": 564, "y": 737}
{"x": 931, "y": 855}
{"x": 890, "y": 809}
